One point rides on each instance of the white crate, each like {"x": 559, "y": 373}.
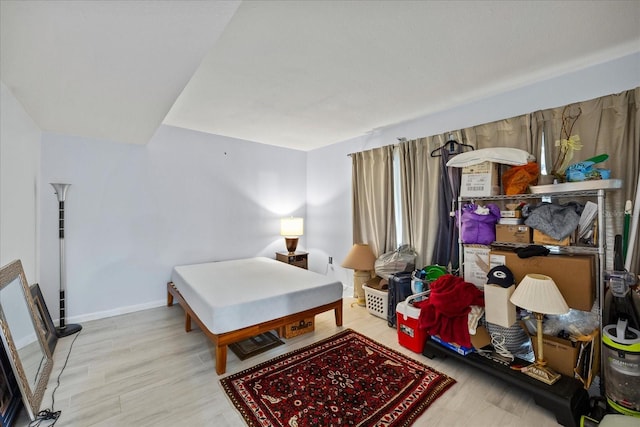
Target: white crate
{"x": 376, "y": 301}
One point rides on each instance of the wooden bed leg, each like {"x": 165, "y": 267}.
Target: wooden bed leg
{"x": 187, "y": 322}
{"x": 221, "y": 359}
{"x": 169, "y": 294}
{"x": 169, "y": 299}
{"x": 338, "y": 313}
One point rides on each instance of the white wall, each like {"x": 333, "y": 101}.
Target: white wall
{"x": 19, "y": 171}
{"x": 329, "y": 168}
{"x": 133, "y": 212}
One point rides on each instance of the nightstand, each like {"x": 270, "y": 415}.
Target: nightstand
{"x": 299, "y": 259}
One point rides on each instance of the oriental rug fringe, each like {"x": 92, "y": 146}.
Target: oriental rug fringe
{"x": 346, "y": 379}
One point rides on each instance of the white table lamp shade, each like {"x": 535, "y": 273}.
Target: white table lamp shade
{"x": 539, "y": 294}
{"x": 292, "y": 227}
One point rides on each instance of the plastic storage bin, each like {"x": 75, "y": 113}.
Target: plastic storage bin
{"x": 376, "y": 301}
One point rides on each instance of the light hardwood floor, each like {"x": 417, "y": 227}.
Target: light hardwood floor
{"x": 142, "y": 369}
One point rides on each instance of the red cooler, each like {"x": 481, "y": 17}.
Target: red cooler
{"x": 409, "y": 335}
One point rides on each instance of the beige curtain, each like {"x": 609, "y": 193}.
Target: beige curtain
{"x": 606, "y": 125}
{"x": 514, "y": 133}
{"x": 419, "y": 196}
{"x": 373, "y": 212}
{"x": 610, "y": 124}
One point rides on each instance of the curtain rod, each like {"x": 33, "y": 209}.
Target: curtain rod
{"x": 400, "y": 140}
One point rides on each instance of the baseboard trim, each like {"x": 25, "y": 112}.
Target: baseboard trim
{"x": 115, "y": 312}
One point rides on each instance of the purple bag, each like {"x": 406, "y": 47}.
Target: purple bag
{"x": 477, "y": 228}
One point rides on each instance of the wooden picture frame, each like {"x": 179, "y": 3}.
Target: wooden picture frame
{"x": 43, "y": 318}
{"x": 22, "y": 337}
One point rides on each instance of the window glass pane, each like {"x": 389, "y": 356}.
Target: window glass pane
{"x": 543, "y": 160}
{"x": 397, "y": 191}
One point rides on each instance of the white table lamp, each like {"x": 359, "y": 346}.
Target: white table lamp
{"x": 540, "y": 295}
{"x": 291, "y": 228}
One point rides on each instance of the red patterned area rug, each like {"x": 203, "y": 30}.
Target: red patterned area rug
{"x": 344, "y": 380}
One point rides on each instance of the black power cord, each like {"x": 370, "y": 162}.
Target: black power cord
{"x": 49, "y": 415}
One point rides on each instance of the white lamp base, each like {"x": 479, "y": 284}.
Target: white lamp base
{"x": 360, "y": 277}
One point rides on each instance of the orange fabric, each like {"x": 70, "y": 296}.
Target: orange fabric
{"x": 517, "y": 179}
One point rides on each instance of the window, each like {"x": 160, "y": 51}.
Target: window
{"x": 397, "y": 191}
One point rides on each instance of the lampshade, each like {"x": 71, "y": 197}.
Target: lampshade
{"x": 292, "y": 227}
{"x": 360, "y": 257}
{"x": 362, "y": 261}
{"x": 538, "y": 293}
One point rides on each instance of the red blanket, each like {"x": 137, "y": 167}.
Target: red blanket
{"x": 446, "y": 310}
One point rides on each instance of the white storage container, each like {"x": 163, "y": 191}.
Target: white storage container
{"x": 376, "y": 301}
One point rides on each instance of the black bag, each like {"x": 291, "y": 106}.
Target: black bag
{"x": 399, "y": 290}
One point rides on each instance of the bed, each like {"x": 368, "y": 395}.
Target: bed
{"x": 238, "y": 299}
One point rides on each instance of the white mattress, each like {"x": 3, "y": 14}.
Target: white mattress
{"x": 229, "y": 295}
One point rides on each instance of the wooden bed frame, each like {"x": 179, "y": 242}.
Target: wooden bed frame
{"x": 222, "y": 340}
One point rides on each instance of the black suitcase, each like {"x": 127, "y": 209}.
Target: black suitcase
{"x": 399, "y": 290}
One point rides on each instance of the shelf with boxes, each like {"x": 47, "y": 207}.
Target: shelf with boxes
{"x": 521, "y": 235}
{"x": 577, "y": 266}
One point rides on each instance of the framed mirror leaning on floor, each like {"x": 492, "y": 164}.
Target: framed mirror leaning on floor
{"x": 23, "y": 338}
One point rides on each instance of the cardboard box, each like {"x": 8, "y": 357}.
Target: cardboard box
{"x": 297, "y": 328}
{"x": 513, "y": 233}
{"x": 510, "y": 214}
{"x": 561, "y": 355}
{"x": 480, "y": 180}
{"x": 476, "y": 264}
{"x": 542, "y": 239}
{"x": 481, "y": 338}
{"x": 575, "y": 275}
{"x": 511, "y": 221}
{"x": 498, "y": 308}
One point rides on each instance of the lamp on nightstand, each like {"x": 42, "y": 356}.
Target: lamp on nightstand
{"x": 291, "y": 228}
{"x": 362, "y": 261}
{"x": 540, "y": 295}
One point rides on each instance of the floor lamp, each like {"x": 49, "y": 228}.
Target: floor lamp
{"x": 63, "y": 330}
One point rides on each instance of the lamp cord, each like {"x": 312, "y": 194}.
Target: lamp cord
{"x": 49, "y": 414}
{"x": 498, "y": 342}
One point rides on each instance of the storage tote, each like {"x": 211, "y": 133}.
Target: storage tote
{"x": 376, "y": 301}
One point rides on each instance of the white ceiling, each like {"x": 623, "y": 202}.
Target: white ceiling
{"x": 297, "y": 74}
